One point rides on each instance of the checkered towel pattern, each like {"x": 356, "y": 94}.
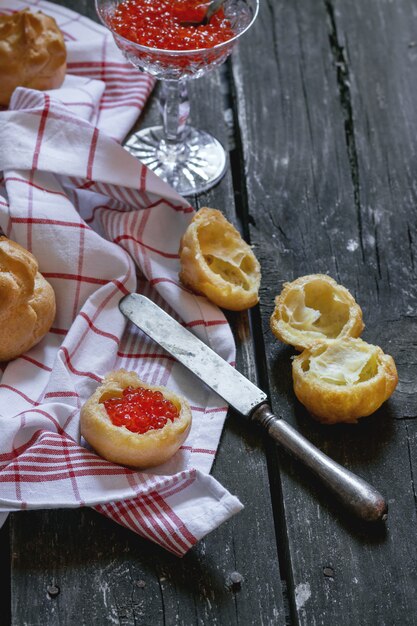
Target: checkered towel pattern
{"x": 101, "y": 225}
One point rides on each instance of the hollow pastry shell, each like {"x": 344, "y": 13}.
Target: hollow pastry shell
{"x": 314, "y": 309}
{"x": 217, "y": 262}
{"x": 32, "y": 53}
{"x": 27, "y": 301}
{"x": 120, "y": 445}
{"x": 343, "y": 380}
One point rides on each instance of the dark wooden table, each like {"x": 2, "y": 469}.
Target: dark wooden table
{"x": 320, "y": 116}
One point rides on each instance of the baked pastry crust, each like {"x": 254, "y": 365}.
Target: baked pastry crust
{"x": 314, "y": 309}
{"x": 32, "y": 53}
{"x": 217, "y": 262}
{"x": 343, "y": 380}
{"x": 27, "y": 301}
{"x": 120, "y": 445}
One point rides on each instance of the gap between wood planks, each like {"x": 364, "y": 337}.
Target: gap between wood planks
{"x": 343, "y": 83}
{"x": 410, "y": 460}
{"x": 254, "y": 316}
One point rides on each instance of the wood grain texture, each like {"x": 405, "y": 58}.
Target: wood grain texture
{"x": 5, "y": 615}
{"x": 324, "y": 180}
{"x": 106, "y": 574}
{"x": 330, "y": 170}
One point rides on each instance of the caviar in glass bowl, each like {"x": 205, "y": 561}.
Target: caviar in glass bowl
{"x": 165, "y": 39}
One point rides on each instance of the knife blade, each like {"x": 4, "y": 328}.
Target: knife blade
{"x": 206, "y": 364}
{"x": 354, "y": 492}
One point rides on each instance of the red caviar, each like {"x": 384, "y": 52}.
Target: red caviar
{"x": 163, "y": 24}
{"x": 140, "y": 410}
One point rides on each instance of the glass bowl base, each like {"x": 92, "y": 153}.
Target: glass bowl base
{"x": 190, "y": 168}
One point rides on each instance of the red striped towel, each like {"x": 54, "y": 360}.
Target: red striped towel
{"x": 101, "y": 225}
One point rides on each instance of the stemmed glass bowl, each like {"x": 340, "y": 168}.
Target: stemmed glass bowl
{"x": 189, "y": 159}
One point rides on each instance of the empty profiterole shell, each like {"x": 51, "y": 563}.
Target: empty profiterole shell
{"x": 343, "y": 380}
{"x": 314, "y": 309}
{"x": 217, "y": 262}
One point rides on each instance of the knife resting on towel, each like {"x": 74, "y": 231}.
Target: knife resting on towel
{"x": 354, "y": 492}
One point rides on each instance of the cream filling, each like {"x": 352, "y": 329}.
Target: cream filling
{"x": 344, "y": 364}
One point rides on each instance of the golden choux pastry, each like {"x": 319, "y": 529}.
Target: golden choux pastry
{"x": 122, "y": 438}
{"x": 313, "y": 309}
{"x": 27, "y": 301}
{"x": 217, "y": 262}
{"x": 32, "y": 53}
{"x": 343, "y": 380}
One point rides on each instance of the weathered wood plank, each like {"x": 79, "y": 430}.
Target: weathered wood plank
{"x": 5, "y": 575}
{"x": 329, "y": 163}
{"x": 105, "y": 574}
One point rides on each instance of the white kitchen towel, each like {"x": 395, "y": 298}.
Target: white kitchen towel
{"x": 101, "y": 225}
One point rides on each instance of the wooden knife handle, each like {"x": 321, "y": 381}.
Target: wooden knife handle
{"x": 354, "y": 492}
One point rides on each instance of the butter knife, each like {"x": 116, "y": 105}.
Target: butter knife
{"x": 355, "y": 493}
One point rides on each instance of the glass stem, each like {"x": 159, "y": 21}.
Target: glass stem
{"x": 175, "y": 109}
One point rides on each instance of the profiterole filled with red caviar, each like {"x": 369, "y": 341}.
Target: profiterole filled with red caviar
{"x": 132, "y": 423}
{"x": 140, "y": 410}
